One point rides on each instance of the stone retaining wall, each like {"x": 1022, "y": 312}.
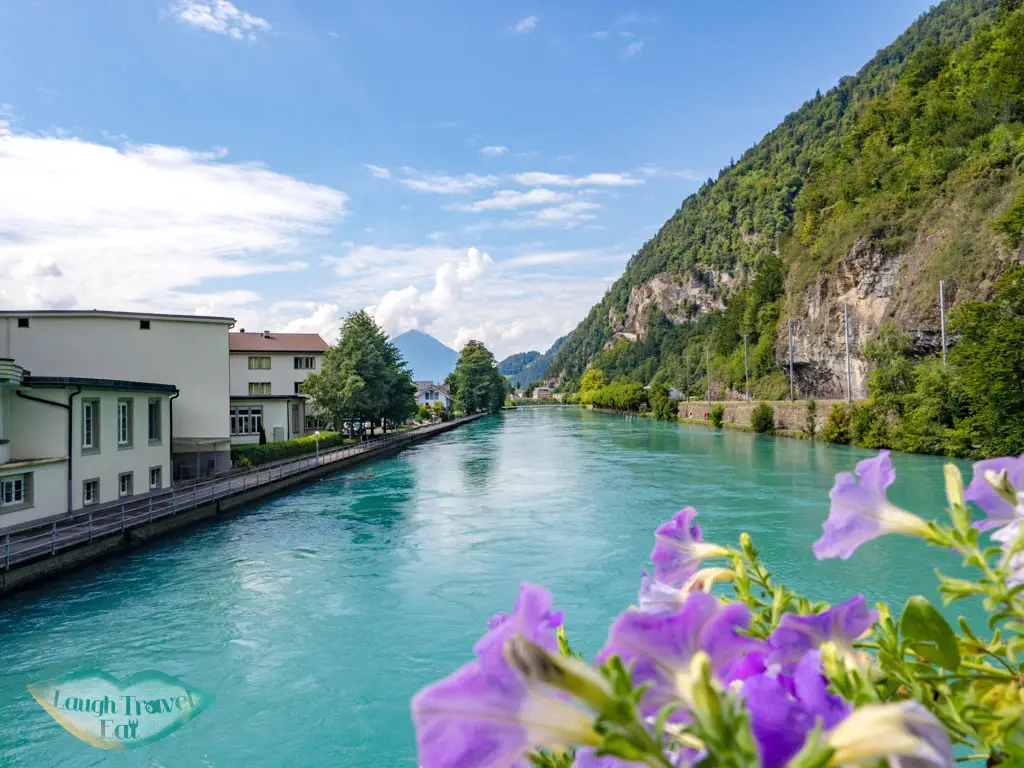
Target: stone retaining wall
{"x": 791, "y": 415}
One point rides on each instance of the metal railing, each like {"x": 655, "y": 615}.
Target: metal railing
{"x": 35, "y": 540}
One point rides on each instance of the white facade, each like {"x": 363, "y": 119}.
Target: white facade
{"x": 266, "y": 374}
{"x": 190, "y": 352}
{"x": 428, "y": 394}
{"x": 118, "y": 434}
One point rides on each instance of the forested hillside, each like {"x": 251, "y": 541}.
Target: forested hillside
{"x": 898, "y": 177}
{"x": 524, "y": 368}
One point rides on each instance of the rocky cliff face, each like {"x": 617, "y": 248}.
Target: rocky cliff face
{"x": 679, "y": 297}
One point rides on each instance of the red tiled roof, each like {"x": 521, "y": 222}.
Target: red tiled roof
{"x": 276, "y": 342}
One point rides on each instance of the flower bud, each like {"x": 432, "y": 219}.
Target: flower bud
{"x": 1001, "y": 484}
{"x": 568, "y": 674}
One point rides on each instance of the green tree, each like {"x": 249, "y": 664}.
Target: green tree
{"x": 989, "y": 365}
{"x": 364, "y": 378}
{"x": 475, "y": 383}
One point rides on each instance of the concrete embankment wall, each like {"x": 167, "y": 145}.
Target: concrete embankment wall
{"x": 23, "y": 575}
{"x": 789, "y": 415}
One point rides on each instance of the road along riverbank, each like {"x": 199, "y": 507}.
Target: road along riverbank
{"x": 32, "y": 553}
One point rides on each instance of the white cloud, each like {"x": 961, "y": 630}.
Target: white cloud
{"x": 376, "y": 170}
{"x": 443, "y": 184}
{"x": 399, "y": 310}
{"x": 510, "y": 199}
{"x": 601, "y": 34}
{"x": 632, "y": 49}
{"x": 526, "y": 25}
{"x": 493, "y": 150}
{"x": 220, "y": 17}
{"x": 139, "y": 227}
{"x": 656, "y": 171}
{"x": 539, "y": 178}
{"x": 568, "y": 215}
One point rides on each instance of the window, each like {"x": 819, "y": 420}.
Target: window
{"x": 246, "y": 420}
{"x": 155, "y": 419}
{"x": 90, "y": 425}
{"x": 305, "y": 363}
{"x": 12, "y": 490}
{"x": 124, "y": 423}
{"x": 23, "y": 322}
{"x": 259, "y": 363}
{"x": 124, "y": 484}
{"x": 143, "y": 325}
{"x": 298, "y": 387}
{"x": 155, "y": 478}
{"x": 90, "y": 492}
{"x": 259, "y": 387}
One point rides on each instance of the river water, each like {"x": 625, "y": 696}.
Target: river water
{"x": 315, "y": 616}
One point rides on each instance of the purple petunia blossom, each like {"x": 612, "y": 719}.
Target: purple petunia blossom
{"x": 841, "y": 625}
{"x": 1007, "y": 536}
{"x": 486, "y": 714}
{"x": 661, "y": 646}
{"x": 588, "y": 758}
{"x": 906, "y": 734}
{"x": 679, "y": 548}
{"x": 532, "y": 618}
{"x": 860, "y": 511}
{"x": 999, "y": 510}
{"x": 783, "y": 710}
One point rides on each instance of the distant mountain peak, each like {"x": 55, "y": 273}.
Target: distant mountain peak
{"x": 427, "y": 358}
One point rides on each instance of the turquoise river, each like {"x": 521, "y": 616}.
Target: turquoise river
{"x": 314, "y": 616}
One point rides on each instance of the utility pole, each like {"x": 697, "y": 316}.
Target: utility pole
{"x": 849, "y": 368}
{"x": 746, "y": 367}
{"x": 942, "y": 317}
{"x": 792, "y": 394}
{"x": 708, "y": 350}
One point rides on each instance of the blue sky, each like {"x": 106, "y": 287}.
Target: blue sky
{"x": 476, "y": 170}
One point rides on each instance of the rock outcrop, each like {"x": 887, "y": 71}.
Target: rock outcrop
{"x": 678, "y": 297}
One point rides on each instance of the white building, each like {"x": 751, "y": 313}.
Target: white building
{"x": 428, "y": 393}
{"x": 185, "y": 352}
{"x": 70, "y": 442}
{"x": 267, "y": 370}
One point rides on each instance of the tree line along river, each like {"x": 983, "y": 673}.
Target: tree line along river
{"x": 314, "y": 617}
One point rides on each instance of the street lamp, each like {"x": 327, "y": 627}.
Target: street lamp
{"x": 317, "y": 436}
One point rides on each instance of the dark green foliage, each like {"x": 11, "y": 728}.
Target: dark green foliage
{"x": 717, "y": 416}
{"x": 811, "y": 420}
{"x": 364, "y": 377}
{"x": 621, "y": 395}
{"x": 762, "y": 419}
{"x": 1011, "y": 224}
{"x": 475, "y": 383}
{"x": 423, "y": 413}
{"x": 892, "y": 371}
{"x": 837, "y": 428}
{"x": 743, "y": 219}
{"x": 286, "y": 449}
{"x": 523, "y": 367}
{"x": 661, "y": 406}
{"x": 263, "y": 435}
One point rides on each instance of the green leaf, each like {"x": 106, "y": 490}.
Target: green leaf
{"x": 927, "y": 634}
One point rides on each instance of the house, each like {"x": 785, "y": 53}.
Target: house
{"x": 72, "y": 442}
{"x": 266, "y": 373}
{"x": 428, "y": 393}
{"x": 186, "y": 354}
{"x": 542, "y": 393}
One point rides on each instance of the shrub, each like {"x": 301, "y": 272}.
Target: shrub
{"x": 837, "y": 428}
{"x": 263, "y": 435}
{"x": 717, "y": 416}
{"x": 773, "y": 386}
{"x": 868, "y": 426}
{"x": 811, "y": 420}
{"x": 260, "y": 454}
{"x": 762, "y": 419}
{"x": 243, "y": 462}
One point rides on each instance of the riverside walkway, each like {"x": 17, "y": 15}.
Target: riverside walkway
{"x": 30, "y": 542}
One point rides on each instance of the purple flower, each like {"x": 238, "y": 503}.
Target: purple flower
{"x": 1007, "y": 536}
{"x": 1000, "y": 511}
{"x": 907, "y": 734}
{"x": 487, "y": 715}
{"x": 860, "y": 512}
{"x": 796, "y": 635}
{"x": 661, "y": 646}
{"x": 783, "y": 710}
{"x": 532, "y": 618}
{"x": 588, "y": 758}
{"x": 679, "y": 548}
{"x": 656, "y": 597}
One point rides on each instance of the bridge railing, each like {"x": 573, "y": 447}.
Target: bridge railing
{"x": 35, "y": 540}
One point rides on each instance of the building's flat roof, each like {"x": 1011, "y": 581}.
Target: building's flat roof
{"x": 276, "y": 342}
{"x": 116, "y": 314}
{"x": 86, "y": 383}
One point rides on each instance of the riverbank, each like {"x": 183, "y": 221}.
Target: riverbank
{"x": 32, "y": 553}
